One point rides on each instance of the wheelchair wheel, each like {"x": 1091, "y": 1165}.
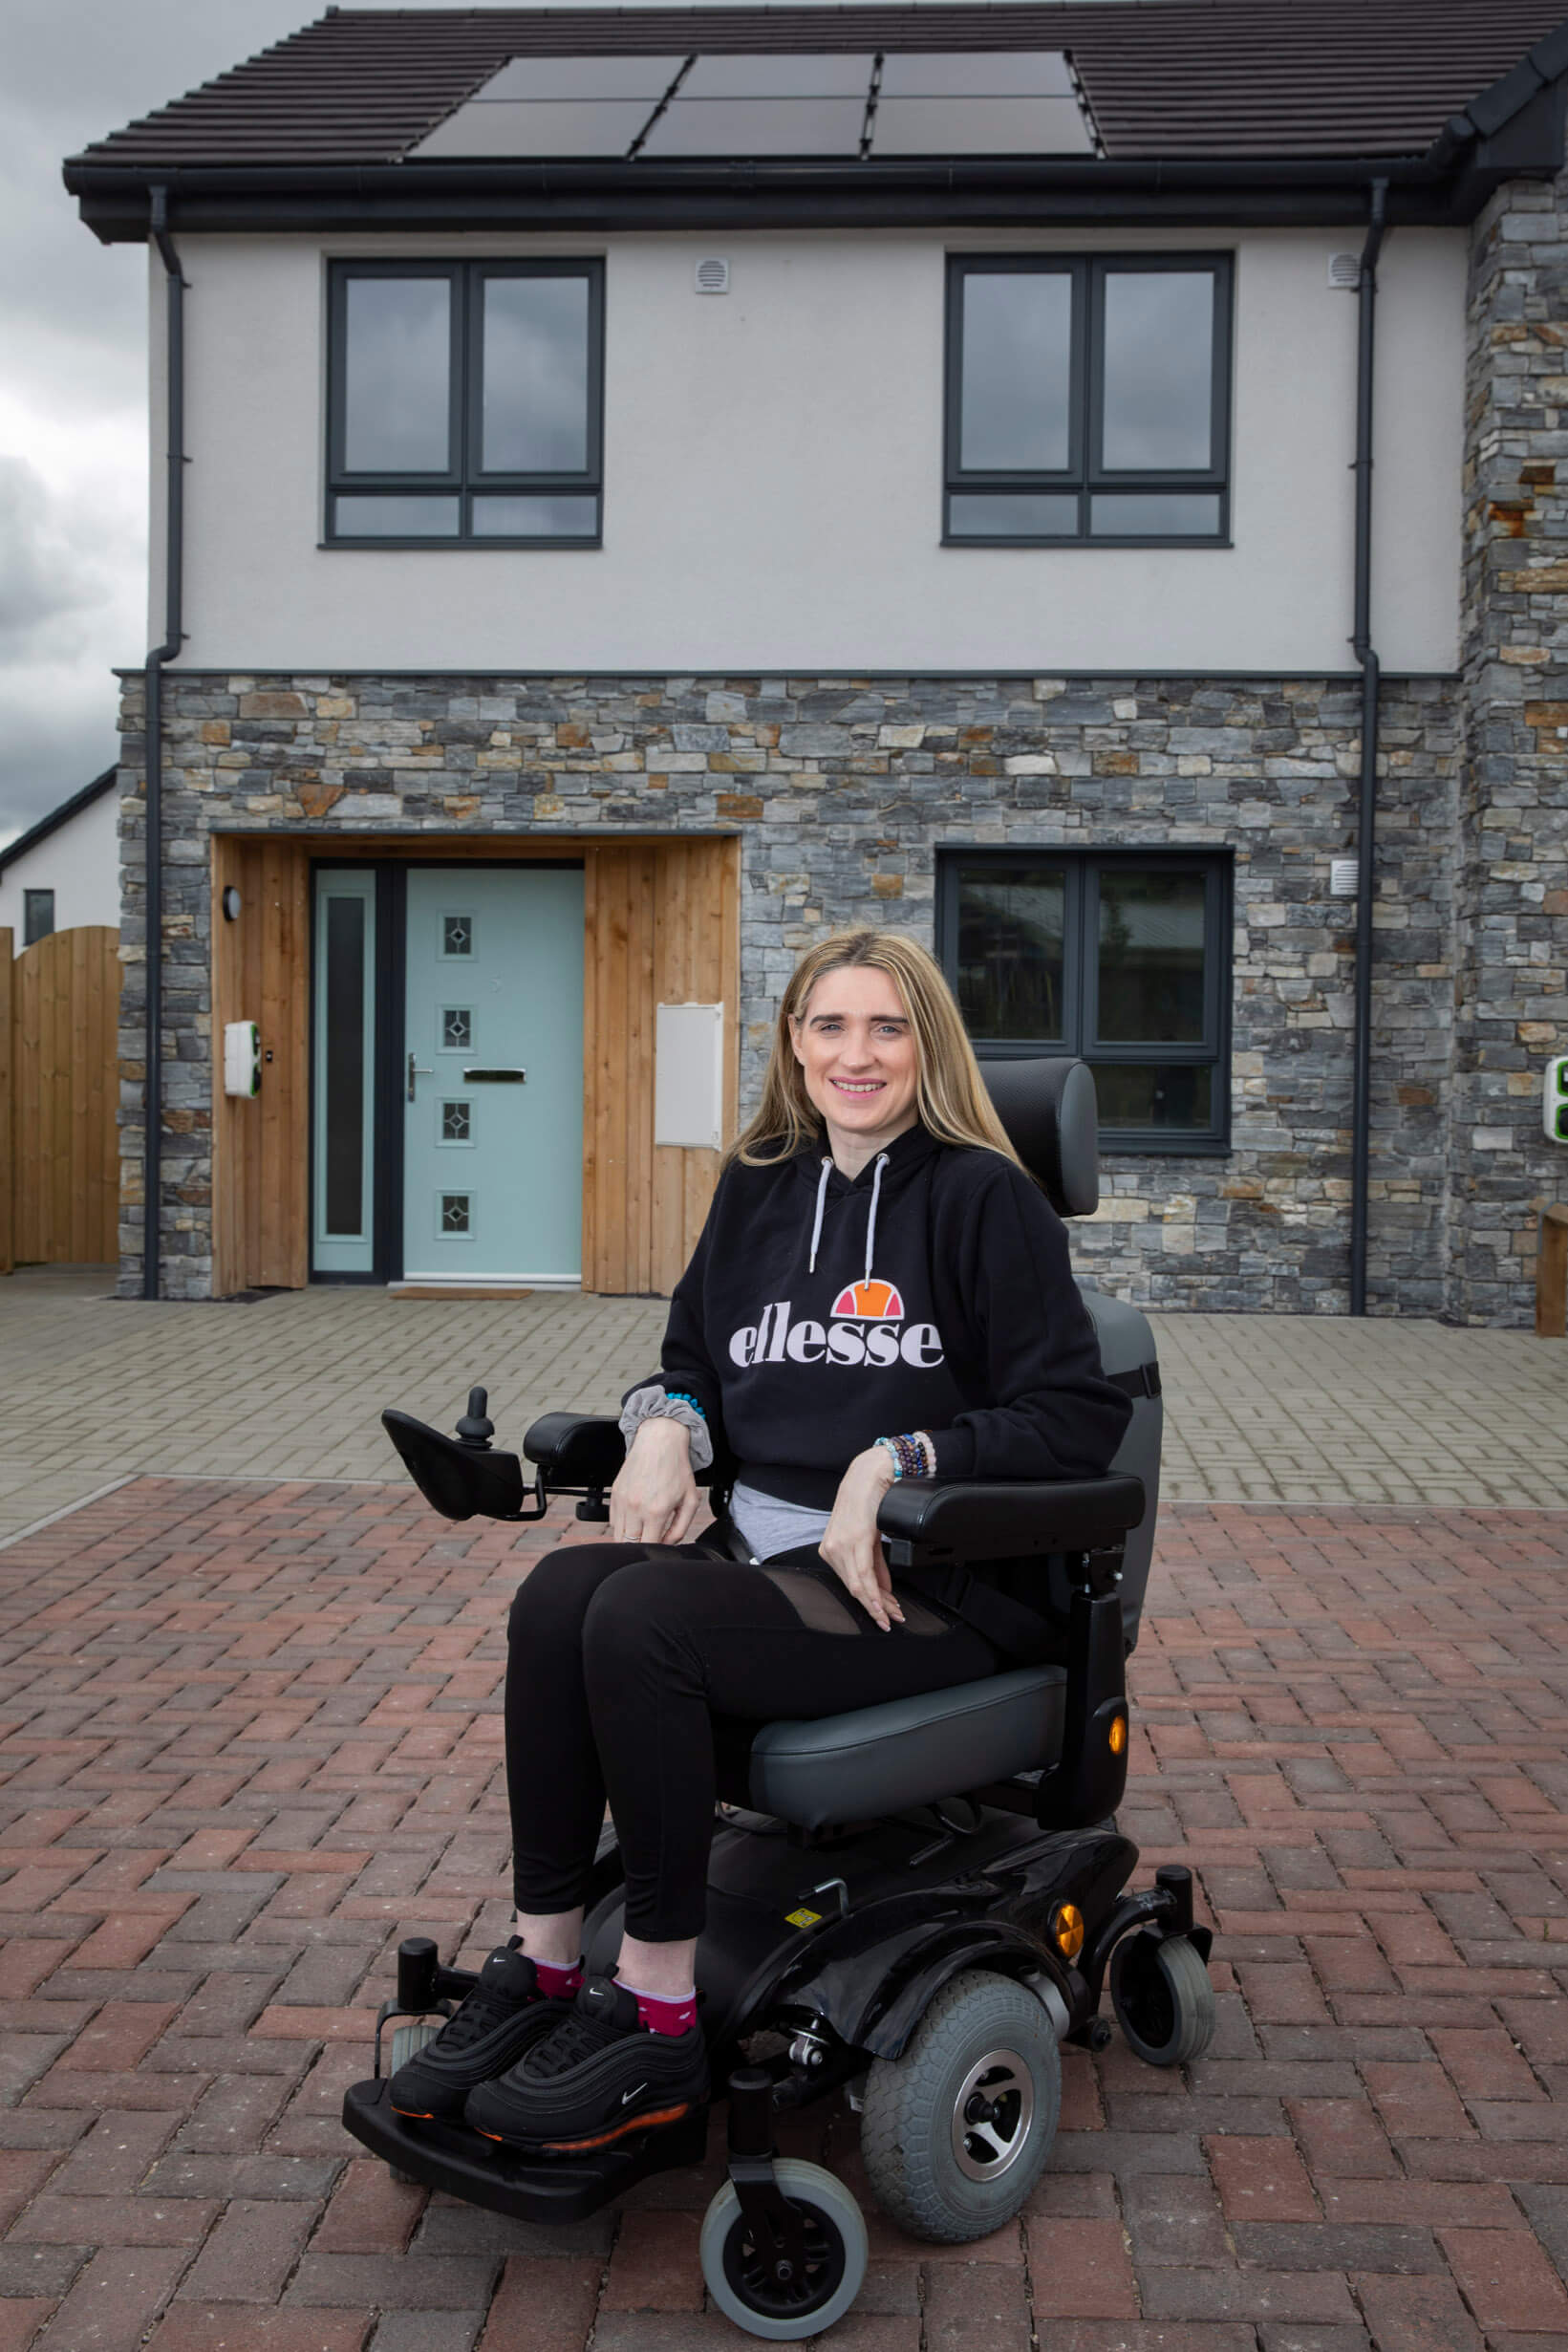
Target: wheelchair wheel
{"x": 955, "y": 2132}
{"x": 835, "y": 2258}
{"x": 1163, "y": 1998}
{"x": 407, "y": 2041}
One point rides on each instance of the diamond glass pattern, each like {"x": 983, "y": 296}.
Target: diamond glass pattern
{"x": 456, "y": 934}
{"x": 455, "y": 1207}
{"x": 456, "y": 1123}
{"x": 457, "y": 1030}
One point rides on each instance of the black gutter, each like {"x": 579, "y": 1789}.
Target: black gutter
{"x": 152, "y": 1090}
{"x": 1361, "y": 1131}
{"x": 767, "y": 193}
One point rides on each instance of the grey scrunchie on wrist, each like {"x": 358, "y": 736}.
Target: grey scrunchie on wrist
{"x": 653, "y": 1403}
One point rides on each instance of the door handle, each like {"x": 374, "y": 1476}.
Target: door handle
{"x": 416, "y": 1069}
{"x": 494, "y": 1077}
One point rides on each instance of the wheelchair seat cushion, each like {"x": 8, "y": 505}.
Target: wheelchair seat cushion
{"x": 908, "y": 1751}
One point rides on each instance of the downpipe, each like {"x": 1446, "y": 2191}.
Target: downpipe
{"x": 1360, "y": 1122}
{"x": 152, "y": 1088}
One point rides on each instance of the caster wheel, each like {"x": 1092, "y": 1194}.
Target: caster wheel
{"x": 1161, "y": 1996}
{"x": 407, "y": 2040}
{"x": 955, "y": 2132}
{"x": 835, "y": 2258}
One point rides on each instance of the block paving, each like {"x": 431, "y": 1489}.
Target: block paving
{"x": 251, "y": 1737}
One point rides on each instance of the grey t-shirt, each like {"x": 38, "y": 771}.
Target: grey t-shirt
{"x": 769, "y": 1527}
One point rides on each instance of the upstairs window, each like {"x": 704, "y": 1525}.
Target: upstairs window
{"x": 466, "y": 403}
{"x": 1121, "y": 958}
{"x": 1087, "y": 400}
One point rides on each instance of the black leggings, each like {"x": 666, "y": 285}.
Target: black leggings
{"x": 619, "y": 1657}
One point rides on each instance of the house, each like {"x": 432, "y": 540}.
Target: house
{"x": 1077, "y": 483}
{"x": 64, "y": 870}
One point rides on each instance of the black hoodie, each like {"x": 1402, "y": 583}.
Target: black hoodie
{"x": 933, "y": 1291}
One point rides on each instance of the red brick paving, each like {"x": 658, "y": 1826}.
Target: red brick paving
{"x": 249, "y": 1737}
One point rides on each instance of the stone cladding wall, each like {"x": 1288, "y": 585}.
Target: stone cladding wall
{"x": 842, "y": 792}
{"x": 1511, "y": 905}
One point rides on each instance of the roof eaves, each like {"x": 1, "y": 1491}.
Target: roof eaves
{"x": 1495, "y": 106}
{"x": 57, "y": 817}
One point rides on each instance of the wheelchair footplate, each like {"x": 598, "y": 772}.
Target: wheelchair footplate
{"x": 543, "y": 2189}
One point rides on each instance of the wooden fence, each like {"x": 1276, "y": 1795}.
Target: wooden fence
{"x": 59, "y": 1087}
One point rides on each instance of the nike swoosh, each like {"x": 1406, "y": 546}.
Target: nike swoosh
{"x": 628, "y": 2096}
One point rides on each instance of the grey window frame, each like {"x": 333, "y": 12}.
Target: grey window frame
{"x": 1079, "y": 976}
{"x": 31, "y": 933}
{"x": 462, "y": 476}
{"x": 1085, "y": 475}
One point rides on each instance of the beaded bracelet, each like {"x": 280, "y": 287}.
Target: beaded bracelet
{"x": 682, "y": 1396}
{"x": 914, "y": 1456}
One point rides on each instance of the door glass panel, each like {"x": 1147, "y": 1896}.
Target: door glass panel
{"x": 456, "y": 934}
{"x": 1011, "y": 943}
{"x": 1016, "y": 362}
{"x": 1143, "y": 1094}
{"x": 457, "y": 1219}
{"x": 457, "y": 1123}
{"x": 457, "y": 1030}
{"x": 1150, "y": 957}
{"x": 1158, "y": 369}
{"x": 534, "y": 418}
{"x": 343, "y": 1083}
{"x": 397, "y": 376}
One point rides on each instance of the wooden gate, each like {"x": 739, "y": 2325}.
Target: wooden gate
{"x": 59, "y": 1087}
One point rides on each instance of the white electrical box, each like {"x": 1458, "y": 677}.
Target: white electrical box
{"x": 241, "y": 1058}
{"x": 689, "y": 1075}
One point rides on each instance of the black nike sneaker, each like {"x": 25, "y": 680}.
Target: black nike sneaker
{"x": 598, "y": 2077}
{"x": 503, "y": 2016}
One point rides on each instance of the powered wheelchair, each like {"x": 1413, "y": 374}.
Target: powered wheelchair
{"x": 913, "y": 1904}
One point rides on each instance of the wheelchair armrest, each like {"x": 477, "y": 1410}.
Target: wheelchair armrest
{"x": 575, "y": 1449}
{"x": 1005, "y": 1519}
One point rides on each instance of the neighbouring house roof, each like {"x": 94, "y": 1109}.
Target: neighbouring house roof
{"x": 1251, "y": 86}
{"x": 57, "y": 817}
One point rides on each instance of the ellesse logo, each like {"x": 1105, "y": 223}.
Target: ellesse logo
{"x": 864, "y": 1330}
{"x": 877, "y": 1301}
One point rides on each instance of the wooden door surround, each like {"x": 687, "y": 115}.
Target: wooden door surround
{"x": 662, "y": 926}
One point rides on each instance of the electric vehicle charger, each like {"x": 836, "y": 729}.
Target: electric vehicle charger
{"x": 914, "y": 1904}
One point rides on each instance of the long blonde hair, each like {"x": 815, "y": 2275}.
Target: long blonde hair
{"x": 950, "y": 1096}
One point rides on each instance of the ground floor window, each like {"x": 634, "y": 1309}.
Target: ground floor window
{"x": 1120, "y": 957}
{"x": 37, "y": 915}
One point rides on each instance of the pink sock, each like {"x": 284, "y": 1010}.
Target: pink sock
{"x": 663, "y": 2016}
{"x": 556, "y": 1983}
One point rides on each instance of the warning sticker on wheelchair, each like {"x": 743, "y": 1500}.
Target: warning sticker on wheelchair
{"x": 803, "y": 1918}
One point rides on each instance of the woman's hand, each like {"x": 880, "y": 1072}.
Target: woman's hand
{"x": 654, "y": 1498}
{"x": 851, "y": 1546}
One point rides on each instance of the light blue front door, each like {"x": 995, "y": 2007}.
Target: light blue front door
{"x": 493, "y": 1075}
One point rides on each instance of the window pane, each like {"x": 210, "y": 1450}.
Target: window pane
{"x": 37, "y": 915}
{"x": 534, "y": 417}
{"x": 397, "y": 518}
{"x": 1143, "y": 1094}
{"x": 344, "y": 1090}
{"x": 1014, "y": 516}
{"x": 1016, "y": 369}
{"x": 397, "y": 391}
{"x": 536, "y": 518}
{"x": 1011, "y": 931}
{"x": 1159, "y": 368}
{"x": 1183, "y": 515}
{"x": 1150, "y": 957}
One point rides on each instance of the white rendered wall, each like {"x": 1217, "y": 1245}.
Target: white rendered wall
{"x": 79, "y": 862}
{"x": 773, "y": 477}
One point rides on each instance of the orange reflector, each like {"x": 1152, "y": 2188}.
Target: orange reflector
{"x": 1067, "y": 1926}
{"x": 1118, "y": 1733}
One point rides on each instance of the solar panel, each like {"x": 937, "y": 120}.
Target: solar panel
{"x": 978, "y": 74}
{"x": 544, "y": 127}
{"x": 978, "y": 126}
{"x": 581, "y": 77}
{"x": 780, "y": 76}
{"x": 758, "y": 127}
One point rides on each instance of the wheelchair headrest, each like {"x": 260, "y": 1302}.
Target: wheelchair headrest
{"x": 1047, "y": 1105}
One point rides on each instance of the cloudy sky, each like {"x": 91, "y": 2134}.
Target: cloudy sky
{"x": 74, "y": 481}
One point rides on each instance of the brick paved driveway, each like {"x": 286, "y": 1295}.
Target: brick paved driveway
{"x": 251, "y": 1737}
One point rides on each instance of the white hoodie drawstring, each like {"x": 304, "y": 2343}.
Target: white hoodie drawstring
{"x": 870, "y": 1222}
{"x": 822, "y": 1203}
